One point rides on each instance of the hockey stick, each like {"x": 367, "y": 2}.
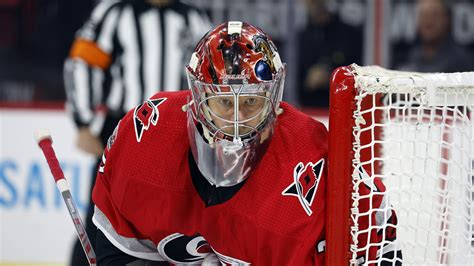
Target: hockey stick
{"x": 45, "y": 143}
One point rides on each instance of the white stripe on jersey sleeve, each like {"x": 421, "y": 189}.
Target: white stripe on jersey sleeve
{"x": 152, "y": 36}
{"x": 97, "y": 84}
{"x": 102, "y": 7}
{"x": 387, "y": 248}
{"x": 89, "y": 29}
{"x": 104, "y": 40}
{"x": 199, "y": 25}
{"x": 115, "y": 96}
{"x": 130, "y": 59}
{"x": 139, "y": 248}
{"x": 383, "y": 214}
{"x": 173, "y": 59}
{"x": 80, "y": 91}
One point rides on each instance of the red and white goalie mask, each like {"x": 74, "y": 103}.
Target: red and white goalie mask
{"x": 236, "y": 77}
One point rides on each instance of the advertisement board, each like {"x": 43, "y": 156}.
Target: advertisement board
{"x": 34, "y": 223}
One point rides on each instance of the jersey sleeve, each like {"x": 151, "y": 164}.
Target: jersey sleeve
{"x": 90, "y": 55}
{"x": 309, "y": 194}
{"x": 108, "y": 196}
{"x": 377, "y": 213}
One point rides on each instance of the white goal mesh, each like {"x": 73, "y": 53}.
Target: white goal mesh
{"x": 421, "y": 145}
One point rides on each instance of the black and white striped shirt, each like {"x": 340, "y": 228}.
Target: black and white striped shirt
{"x": 127, "y": 51}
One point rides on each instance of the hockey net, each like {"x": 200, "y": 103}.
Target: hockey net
{"x": 414, "y": 131}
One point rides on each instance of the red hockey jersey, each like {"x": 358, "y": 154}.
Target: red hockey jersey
{"x": 148, "y": 207}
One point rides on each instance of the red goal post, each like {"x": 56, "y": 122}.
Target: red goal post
{"x": 414, "y": 132}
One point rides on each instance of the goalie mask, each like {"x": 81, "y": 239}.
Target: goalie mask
{"x": 236, "y": 78}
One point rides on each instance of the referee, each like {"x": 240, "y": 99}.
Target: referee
{"x": 127, "y": 51}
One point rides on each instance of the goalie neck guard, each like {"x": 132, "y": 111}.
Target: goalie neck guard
{"x": 236, "y": 78}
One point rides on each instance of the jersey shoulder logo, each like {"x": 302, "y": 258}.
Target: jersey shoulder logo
{"x": 305, "y": 183}
{"x": 146, "y": 114}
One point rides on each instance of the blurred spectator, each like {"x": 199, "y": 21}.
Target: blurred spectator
{"x": 324, "y": 44}
{"x": 34, "y": 39}
{"x": 56, "y": 24}
{"x": 126, "y": 52}
{"x": 435, "y": 50}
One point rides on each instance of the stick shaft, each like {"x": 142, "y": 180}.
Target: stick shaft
{"x": 49, "y": 154}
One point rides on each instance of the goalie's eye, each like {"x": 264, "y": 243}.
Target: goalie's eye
{"x": 225, "y": 102}
{"x": 251, "y": 101}
{"x": 221, "y": 106}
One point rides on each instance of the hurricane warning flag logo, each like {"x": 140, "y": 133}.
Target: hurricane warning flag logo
{"x": 146, "y": 114}
{"x": 305, "y": 183}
